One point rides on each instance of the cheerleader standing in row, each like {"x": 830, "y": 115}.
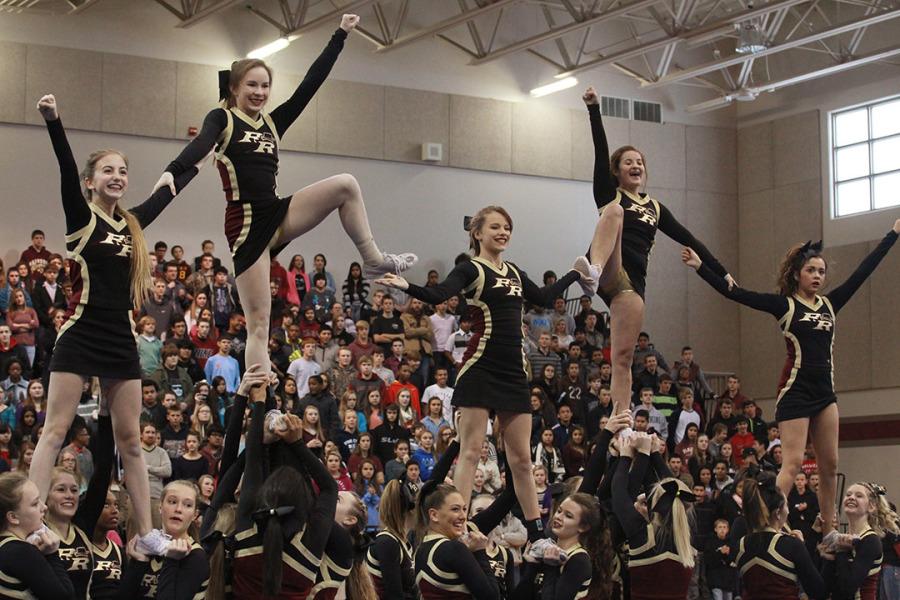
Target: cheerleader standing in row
{"x": 493, "y": 375}
{"x": 259, "y": 224}
{"x": 806, "y": 404}
{"x": 110, "y": 277}
{"x": 623, "y": 240}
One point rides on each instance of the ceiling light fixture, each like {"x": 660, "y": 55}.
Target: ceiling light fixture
{"x": 272, "y": 47}
{"x": 556, "y": 86}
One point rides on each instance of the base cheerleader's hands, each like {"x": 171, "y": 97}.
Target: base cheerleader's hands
{"x": 349, "y": 22}
{"x": 690, "y": 258}
{"x": 47, "y": 107}
{"x": 253, "y": 376}
{"x": 393, "y": 281}
{"x": 46, "y": 541}
{"x": 896, "y": 227}
{"x": 168, "y": 180}
{"x": 132, "y": 551}
{"x": 590, "y": 96}
{"x": 618, "y": 422}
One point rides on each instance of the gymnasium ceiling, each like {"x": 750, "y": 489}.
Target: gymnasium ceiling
{"x": 656, "y": 44}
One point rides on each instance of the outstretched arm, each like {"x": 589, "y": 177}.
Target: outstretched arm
{"x": 545, "y": 296}
{"x": 458, "y": 280}
{"x": 842, "y": 294}
{"x": 147, "y": 211}
{"x": 604, "y": 183}
{"x": 213, "y": 126}
{"x": 77, "y": 212}
{"x": 774, "y": 304}
{"x": 287, "y": 113}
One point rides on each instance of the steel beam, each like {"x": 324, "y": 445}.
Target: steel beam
{"x": 565, "y": 30}
{"x": 772, "y": 86}
{"x": 205, "y": 13}
{"x": 446, "y": 24}
{"x": 739, "y": 58}
{"x": 716, "y": 28}
{"x": 352, "y": 7}
{"x": 83, "y": 5}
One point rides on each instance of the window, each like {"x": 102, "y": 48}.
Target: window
{"x": 865, "y": 146}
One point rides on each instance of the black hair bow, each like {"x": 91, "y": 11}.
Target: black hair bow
{"x": 361, "y": 548}
{"x": 811, "y": 249}
{"x": 671, "y": 491}
{"x": 263, "y": 514}
{"x": 224, "y": 84}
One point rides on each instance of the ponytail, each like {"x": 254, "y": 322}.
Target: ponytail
{"x": 761, "y": 499}
{"x": 273, "y": 546}
{"x": 672, "y": 519}
{"x": 359, "y": 582}
{"x": 218, "y": 569}
{"x": 140, "y": 259}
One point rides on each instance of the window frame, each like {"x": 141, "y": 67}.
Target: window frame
{"x": 870, "y": 140}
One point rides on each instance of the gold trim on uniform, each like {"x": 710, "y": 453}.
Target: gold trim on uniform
{"x": 798, "y": 354}
{"x": 478, "y": 287}
{"x": 245, "y": 230}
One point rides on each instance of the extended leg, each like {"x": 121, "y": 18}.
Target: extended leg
{"x": 626, "y": 321}
{"x": 472, "y": 430}
{"x": 253, "y": 289}
{"x": 62, "y": 402}
{"x": 824, "y": 432}
{"x": 311, "y": 205}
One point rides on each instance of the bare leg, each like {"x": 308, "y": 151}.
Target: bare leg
{"x": 626, "y": 321}
{"x": 253, "y": 288}
{"x": 472, "y": 430}
{"x": 824, "y": 431}
{"x": 62, "y": 402}
{"x": 311, "y": 205}
{"x": 125, "y": 409}
{"x": 516, "y": 429}
{"x": 793, "y": 443}
{"x": 606, "y": 246}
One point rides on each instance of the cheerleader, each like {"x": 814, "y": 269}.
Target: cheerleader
{"x": 74, "y": 519}
{"x": 110, "y": 277}
{"x": 389, "y": 558}
{"x": 493, "y": 374}
{"x": 623, "y": 240}
{"x": 658, "y": 531}
{"x": 183, "y": 574}
{"x": 772, "y": 565}
{"x": 281, "y": 530}
{"x": 29, "y": 564}
{"x": 853, "y": 570}
{"x": 806, "y": 403}
{"x": 259, "y": 224}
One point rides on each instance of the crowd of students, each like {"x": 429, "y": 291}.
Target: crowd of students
{"x": 358, "y": 431}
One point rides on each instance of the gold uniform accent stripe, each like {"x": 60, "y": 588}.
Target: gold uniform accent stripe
{"x": 774, "y": 553}
{"x": 243, "y": 535}
{"x": 225, "y": 136}
{"x": 769, "y": 567}
{"x": 798, "y": 353}
{"x": 268, "y": 120}
{"x": 245, "y": 230}
{"x": 478, "y": 287}
{"x": 524, "y": 358}
{"x": 651, "y": 541}
{"x": 833, "y": 335}
{"x": 254, "y": 123}
{"x": 11, "y": 593}
{"x": 335, "y": 567}
{"x": 652, "y": 560}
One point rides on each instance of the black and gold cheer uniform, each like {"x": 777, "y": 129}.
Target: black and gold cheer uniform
{"x": 97, "y": 338}
{"x": 26, "y": 573}
{"x": 107, "y": 574}
{"x": 643, "y": 215}
{"x": 167, "y": 578}
{"x": 493, "y": 374}
{"x": 447, "y": 570}
{"x": 806, "y": 385}
{"x": 389, "y": 561}
{"x": 775, "y": 566}
{"x": 247, "y": 159}
{"x": 853, "y": 575}
{"x": 304, "y": 546}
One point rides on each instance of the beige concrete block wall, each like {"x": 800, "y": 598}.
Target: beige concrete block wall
{"x": 414, "y": 117}
{"x": 12, "y": 93}
{"x": 480, "y": 133}
{"x": 138, "y": 96}
{"x": 350, "y": 119}
{"x": 73, "y": 76}
{"x": 541, "y": 140}
{"x": 194, "y": 97}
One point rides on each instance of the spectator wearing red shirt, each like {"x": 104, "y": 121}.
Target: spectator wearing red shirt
{"x": 403, "y": 383}
{"x": 742, "y": 439}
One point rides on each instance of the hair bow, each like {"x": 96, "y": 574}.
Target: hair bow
{"x": 671, "y": 491}
{"x": 361, "y": 548}
{"x": 878, "y": 490}
{"x": 224, "y": 81}
{"x": 264, "y": 513}
{"x": 811, "y": 249}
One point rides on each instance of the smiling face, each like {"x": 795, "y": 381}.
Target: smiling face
{"x": 566, "y": 522}
{"x": 494, "y": 234}
{"x": 178, "y": 509}
{"x": 252, "y": 92}
{"x": 857, "y": 502}
{"x": 630, "y": 170}
{"x": 449, "y": 519}
{"x": 811, "y": 277}
{"x": 109, "y": 178}
{"x": 62, "y": 501}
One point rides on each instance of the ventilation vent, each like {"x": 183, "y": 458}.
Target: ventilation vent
{"x": 615, "y": 107}
{"x": 647, "y": 111}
